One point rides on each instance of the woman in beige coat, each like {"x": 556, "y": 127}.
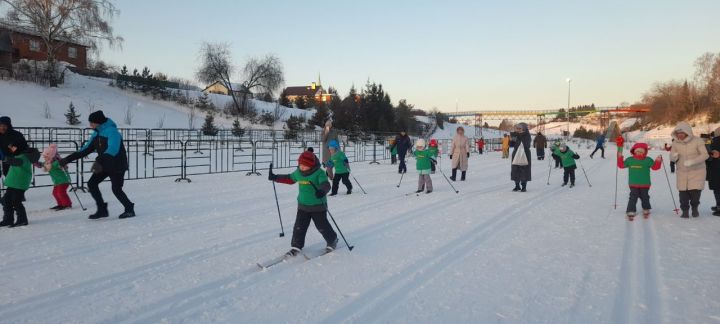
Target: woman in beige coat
{"x": 689, "y": 154}
{"x": 459, "y": 153}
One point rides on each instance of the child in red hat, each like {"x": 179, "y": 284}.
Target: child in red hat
{"x": 313, "y": 187}
{"x": 639, "y": 165}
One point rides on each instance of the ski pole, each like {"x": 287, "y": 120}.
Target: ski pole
{"x": 616, "y": 185}
{"x": 358, "y": 183}
{"x": 549, "y": 171}
{"x": 282, "y": 229}
{"x": 74, "y": 190}
{"x": 350, "y": 247}
{"x": 401, "y": 177}
{"x": 585, "y": 173}
{"x": 448, "y": 181}
{"x": 677, "y": 211}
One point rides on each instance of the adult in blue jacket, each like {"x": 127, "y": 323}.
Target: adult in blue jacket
{"x": 599, "y": 145}
{"x": 111, "y": 162}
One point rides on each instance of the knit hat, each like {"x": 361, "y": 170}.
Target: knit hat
{"x": 334, "y": 145}
{"x": 639, "y": 146}
{"x": 433, "y": 142}
{"x": 307, "y": 158}
{"x": 420, "y": 143}
{"x": 97, "y": 117}
{"x": 50, "y": 152}
{"x": 5, "y": 120}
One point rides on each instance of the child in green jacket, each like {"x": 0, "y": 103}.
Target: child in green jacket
{"x": 59, "y": 176}
{"x": 339, "y": 168}
{"x": 639, "y": 165}
{"x": 17, "y": 182}
{"x": 567, "y": 159}
{"x": 423, "y": 163}
{"x": 312, "y": 204}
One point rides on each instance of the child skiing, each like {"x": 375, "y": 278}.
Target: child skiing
{"x": 639, "y": 165}
{"x": 338, "y": 168}
{"x": 313, "y": 185}
{"x": 558, "y": 161}
{"x": 423, "y": 163}
{"x": 393, "y": 151}
{"x": 17, "y": 182}
{"x": 434, "y": 152}
{"x": 567, "y": 158}
{"x": 60, "y": 178}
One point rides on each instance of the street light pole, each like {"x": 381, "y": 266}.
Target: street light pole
{"x": 567, "y": 113}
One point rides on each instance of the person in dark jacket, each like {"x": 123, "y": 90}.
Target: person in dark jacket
{"x": 599, "y": 145}
{"x": 17, "y": 182}
{"x": 8, "y": 135}
{"x": 540, "y": 144}
{"x": 111, "y": 162}
{"x": 520, "y": 171}
{"x": 403, "y": 145}
{"x": 714, "y": 170}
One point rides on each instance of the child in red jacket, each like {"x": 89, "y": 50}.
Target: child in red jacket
{"x": 639, "y": 165}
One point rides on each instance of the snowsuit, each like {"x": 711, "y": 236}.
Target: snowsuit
{"x": 423, "y": 162}
{"x": 403, "y": 145}
{"x": 17, "y": 182}
{"x": 540, "y": 143}
{"x": 111, "y": 162}
{"x": 689, "y": 156}
{"x": 459, "y": 153}
{"x": 481, "y": 145}
{"x": 568, "y": 162}
{"x": 339, "y": 168}
{"x": 521, "y": 174}
{"x": 393, "y": 153}
{"x": 326, "y": 138}
{"x": 713, "y": 167}
{"x": 600, "y": 145}
{"x": 313, "y": 185}
{"x": 434, "y": 152}
{"x": 505, "y": 147}
{"x": 60, "y": 178}
{"x": 11, "y": 136}
{"x": 639, "y": 167}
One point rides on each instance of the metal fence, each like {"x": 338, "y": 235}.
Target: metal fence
{"x": 182, "y": 154}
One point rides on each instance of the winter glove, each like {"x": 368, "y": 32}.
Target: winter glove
{"x": 96, "y": 168}
{"x": 450, "y": 156}
{"x": 272, "y": 176}
{"x": 576, "y": 157}
{"x": 468, "y": 155}
{"x": 319, "y": 193}
{"x": 63, "y": 163}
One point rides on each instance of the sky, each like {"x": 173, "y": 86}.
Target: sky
{"x": 466, "y": 55}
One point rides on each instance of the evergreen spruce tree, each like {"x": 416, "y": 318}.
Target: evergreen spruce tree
{"x": 203, "y": 102}
{"x": 237, "y": 130}
{"x": 71, "y": 116}
{"x": 208, "y": 127}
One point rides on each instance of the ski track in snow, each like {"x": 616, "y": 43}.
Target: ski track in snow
{"x": 190, "y": 255}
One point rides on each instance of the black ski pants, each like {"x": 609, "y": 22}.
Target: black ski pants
{"x": 302, "y": 222}
{"x": 117, "y": 180}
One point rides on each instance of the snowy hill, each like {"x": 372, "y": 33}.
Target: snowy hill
{"x": 485, "y": 255}
{"x": 449, "y": 129}
{"x": 26, "y": 102}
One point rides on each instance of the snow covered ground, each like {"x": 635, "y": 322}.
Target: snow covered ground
{"x": 485, "y": 255}
{"x": 25, "y": 103}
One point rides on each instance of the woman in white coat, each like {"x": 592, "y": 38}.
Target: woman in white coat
{"x": 689, "y": 154}
{"x": 459, "y": 153}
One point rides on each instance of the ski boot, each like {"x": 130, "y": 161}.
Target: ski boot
{"x": 695, "y": 212}
{"x": 572, "y": 185}
{"x": 349, "y": 192}
{"x": 564, "y": 184}
{"x": 631, "y": 216}
{"x": 685, "y": 214}
{"x": 646, "y": 213}
{"x": 331, "y": 246}
{"x": 293, "y": 252}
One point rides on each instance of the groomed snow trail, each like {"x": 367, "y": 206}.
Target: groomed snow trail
{"x": 486, "y": 255}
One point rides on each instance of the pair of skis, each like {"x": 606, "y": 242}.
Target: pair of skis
{"x": 285, "y": 257}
